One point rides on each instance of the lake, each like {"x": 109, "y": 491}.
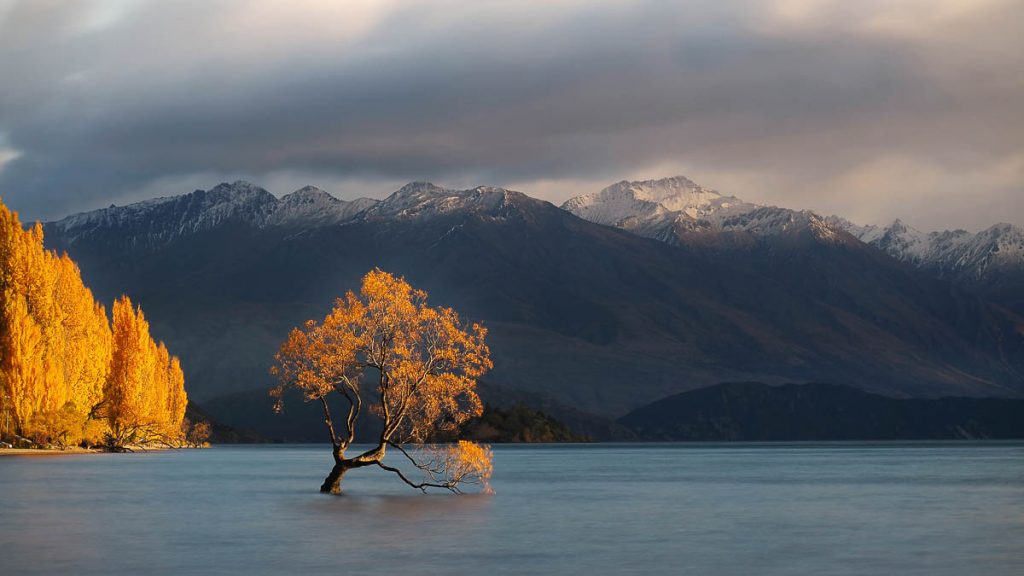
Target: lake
{"x": 816, "y": 508}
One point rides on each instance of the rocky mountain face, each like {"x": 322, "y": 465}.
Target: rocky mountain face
{"x": 161, "y": 221}
{"x": 958, "y": 254}
{"x": 661, "y": 209}
{"x": 677, "y": 211}
{"x": 990, "y": 261}
{"x": 420, "y": 201}
{"x": 582, "y": 315}
{"x": 311, "y": 206}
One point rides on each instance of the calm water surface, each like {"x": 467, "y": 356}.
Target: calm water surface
{"x": 646, "y": 509}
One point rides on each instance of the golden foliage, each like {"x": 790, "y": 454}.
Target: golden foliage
{"x": 456, "y": 464}
{"x": 60, "y": 362}
{"x": 144, "y": 398}
{"x": 423, "y": 361}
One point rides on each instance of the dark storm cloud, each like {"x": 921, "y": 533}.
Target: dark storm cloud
{"x": 867, "y": 111}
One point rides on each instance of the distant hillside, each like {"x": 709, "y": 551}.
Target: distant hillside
{"x": 751, "y": 411}
{"x": 511, "y": 416}
{"x": 518, "y": 424}
{"x": 221, "y": 433}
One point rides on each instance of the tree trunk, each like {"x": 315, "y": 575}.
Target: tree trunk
{"x": 332, "y": 484}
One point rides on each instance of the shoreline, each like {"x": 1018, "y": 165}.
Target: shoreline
{"x": 45, "y": 452}
{"x": 73, "y": 451}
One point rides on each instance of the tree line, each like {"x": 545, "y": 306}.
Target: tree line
{"x": 69, "y": 374}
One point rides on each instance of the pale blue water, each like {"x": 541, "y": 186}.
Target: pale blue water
{"x": 600, "y": 509}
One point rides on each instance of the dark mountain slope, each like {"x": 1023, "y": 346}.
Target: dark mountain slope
{"x": 872, "y": 298}
{"x": 751, "y": 411}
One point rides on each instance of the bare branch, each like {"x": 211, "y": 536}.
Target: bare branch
{"x": 430, "y": 470}
{"x": 422, "y": 485}
{"x": 329, "y": 422}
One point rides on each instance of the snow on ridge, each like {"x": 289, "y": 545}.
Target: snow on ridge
{"x": 418, "y": 200}
{"x": 675, "y": 194}
{"x": 311, "y": 206}
{"x": 160, "y": 220}
{"x": 653, "y": 203}
{"x": 951, "y": 253}
{"x": 165, "y": 217}
{"x": 308, "y": 195}
{"x": 671, "y": 208}
{"x": 307, "y": 206}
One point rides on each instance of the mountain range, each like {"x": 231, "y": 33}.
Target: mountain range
{"x": 678, "y": 211}
{"x": 618, "y": 299}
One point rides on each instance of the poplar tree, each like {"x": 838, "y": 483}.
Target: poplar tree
{"x": 65, "y": 374}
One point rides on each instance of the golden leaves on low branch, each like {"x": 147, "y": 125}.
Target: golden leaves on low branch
{"x": 457, "y": 464}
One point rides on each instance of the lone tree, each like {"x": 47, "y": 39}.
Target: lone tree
{"x": 416, "y": 366}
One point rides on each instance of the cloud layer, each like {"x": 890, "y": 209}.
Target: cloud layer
{"x": 873, "y": 110}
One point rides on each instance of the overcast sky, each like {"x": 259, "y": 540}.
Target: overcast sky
{"x": 873, "y": 109}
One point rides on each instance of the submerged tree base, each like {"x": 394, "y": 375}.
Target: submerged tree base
{"x": 332, "y": 484}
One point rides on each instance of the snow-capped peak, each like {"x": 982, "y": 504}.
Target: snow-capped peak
{"x": 309, "y": 195}
{"x": 661, "y": 209}
{"x": 424, "y": 200}
{"x": 414, "y": 193}
{"x": 237, "y": 193}
{"x": 240, "y": 200}
{"x": 677, "y": 194}
{"x": 311, "y": 206}
{"x": 632, "y": 204}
